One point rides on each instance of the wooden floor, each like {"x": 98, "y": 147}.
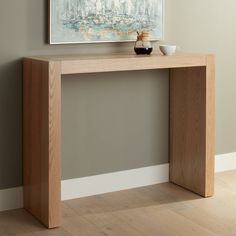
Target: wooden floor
{"x": 159, "y": 210}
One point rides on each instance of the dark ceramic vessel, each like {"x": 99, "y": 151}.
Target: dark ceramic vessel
{"x": 143, "y": 51}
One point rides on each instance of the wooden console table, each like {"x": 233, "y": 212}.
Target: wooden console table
{"x": 192, "y": 124}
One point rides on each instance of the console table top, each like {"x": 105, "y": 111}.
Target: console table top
{"x": 76, "y": 64}
{"x": 69, "y": 57}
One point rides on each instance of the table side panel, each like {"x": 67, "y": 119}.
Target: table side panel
{"x": 35, "y": 140}
{"x": 39, "y": 185}
{"x": 54, "y": 144}
{"x": 210, "y": 126}
{"x": 191, "y": 164}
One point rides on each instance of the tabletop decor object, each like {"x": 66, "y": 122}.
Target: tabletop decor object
{"x": 143, "y": 44}
{"x": 88, "y": 21}
{"x": 168, "y": 50}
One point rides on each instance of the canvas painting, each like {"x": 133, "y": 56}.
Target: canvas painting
{"x": 86, "y": 21}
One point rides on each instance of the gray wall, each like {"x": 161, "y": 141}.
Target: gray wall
{"x": 111, "y": 121}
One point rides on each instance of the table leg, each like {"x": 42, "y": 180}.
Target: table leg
{"x": 192, "y": 128}
{"x": 42, "y": 134}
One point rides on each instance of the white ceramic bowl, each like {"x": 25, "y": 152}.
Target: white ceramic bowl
{"x": 168, "y": 50}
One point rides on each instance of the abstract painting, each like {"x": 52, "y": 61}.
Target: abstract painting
{"x": 86, "y": 21}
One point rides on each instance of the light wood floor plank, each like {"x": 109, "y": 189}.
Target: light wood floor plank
{"x": 158, "y": 210}
{"x": 162, "y": 221}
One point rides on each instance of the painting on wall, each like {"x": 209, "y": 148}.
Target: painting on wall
{"x": 87, "y": 21}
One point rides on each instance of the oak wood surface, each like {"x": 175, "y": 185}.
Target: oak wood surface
{"x": 191, "y": 122}
{"x": 42, "y": 140}
{"x": 210, "y": 125}
{"x": 74, "y": 64}
{"x": 54, "y": 151}
{"x": 192, "y": 128}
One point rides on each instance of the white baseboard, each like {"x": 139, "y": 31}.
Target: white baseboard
{"x": 93, "y": 185}
{"x": 225, "y": 162}
{"x": 11, "y": 198}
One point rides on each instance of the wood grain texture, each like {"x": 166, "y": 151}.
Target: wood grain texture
{"x": 192, "y": 128}
{"x": 54, "y": 120}
{"x": 74, "y": 64}
{"x": 130, "y": 63}
{"x": 210, "y": 125}
{"x": 42, "y": 140}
